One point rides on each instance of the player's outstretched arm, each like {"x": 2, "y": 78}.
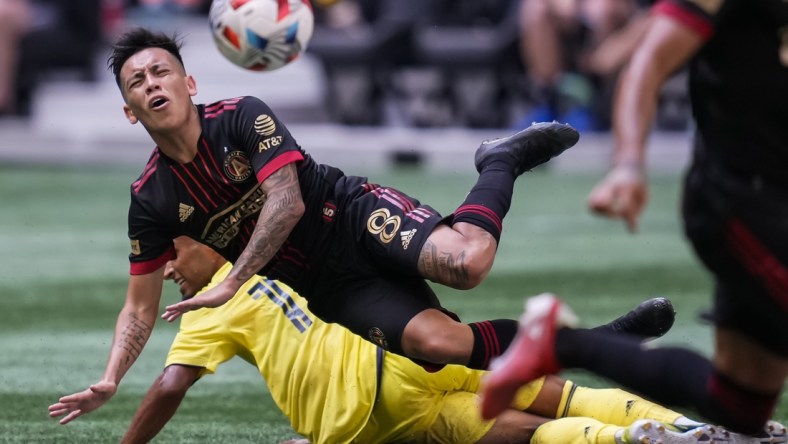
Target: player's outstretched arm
{"x": 282, "y": 210}
{"x": 132, "y": 330}
{"x": 160, "y": 403}
{"x": 214, "y": 297}
{"x": 667, "y": 45}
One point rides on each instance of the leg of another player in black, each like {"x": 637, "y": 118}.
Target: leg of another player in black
{"x": 651, "y": 318}
{"x": 670, "y": 376}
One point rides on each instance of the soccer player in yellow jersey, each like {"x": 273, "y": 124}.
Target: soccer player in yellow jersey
{"x": 336, "y": 387}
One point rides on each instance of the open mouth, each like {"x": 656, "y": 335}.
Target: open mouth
{"x": 158, "y": 103}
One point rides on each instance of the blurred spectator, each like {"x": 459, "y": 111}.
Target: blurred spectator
{"x": 572, "y": 51}
{"x": 38, "y": 36}
{"x": 171, "y": 6}
{"x": 359, "y": 43}
{"x": 470, "y": 48}
{"x": 337, "y": 14}
{"x": 15, "y": 16}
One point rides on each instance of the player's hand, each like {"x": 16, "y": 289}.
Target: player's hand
{"x": 76, "y": 405}
{"x": 214, "y": 297}
{"x": 622, "y": 194}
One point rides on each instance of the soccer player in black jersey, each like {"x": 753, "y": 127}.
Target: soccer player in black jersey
{"x": 735, "y": 210}
{"x": 230, "y": 175}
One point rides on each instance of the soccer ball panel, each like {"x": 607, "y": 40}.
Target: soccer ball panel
{"x": 261, "y": 35}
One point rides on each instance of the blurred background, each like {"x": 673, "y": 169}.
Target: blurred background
{"x": 405, "y": 81}
{"x": 400, "y": 90}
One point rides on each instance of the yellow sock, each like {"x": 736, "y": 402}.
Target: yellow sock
{"x": 575, "y": 431}
{"x": 610, "y": 406}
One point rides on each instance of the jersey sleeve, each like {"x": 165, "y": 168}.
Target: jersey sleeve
{"x": 151, "y": 246}
{"x": 698, "y": 15}
{"x": 264, "y": 138}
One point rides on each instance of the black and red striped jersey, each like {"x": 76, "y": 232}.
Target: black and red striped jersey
{"x": 216, "y": 198}
{"x": 739, "y": 81}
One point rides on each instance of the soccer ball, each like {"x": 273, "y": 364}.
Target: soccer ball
{"x": 261, "y": 35}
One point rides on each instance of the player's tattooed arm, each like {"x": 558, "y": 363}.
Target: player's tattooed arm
{"x": 282, "y": 210}
{"x": 445, "y": 267}
{"x": 133, "y": 337}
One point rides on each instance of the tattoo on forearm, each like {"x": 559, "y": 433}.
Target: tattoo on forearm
{"x": 276, "y": 221}
{"x": 443, "y": 267}
{"x": 133, "y": 337}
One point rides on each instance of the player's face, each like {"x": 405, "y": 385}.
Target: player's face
{"x": 193, "y": 266}
{"x": 157, "y": 90}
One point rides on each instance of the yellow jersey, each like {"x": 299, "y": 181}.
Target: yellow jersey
{"x": 320, "y": 375}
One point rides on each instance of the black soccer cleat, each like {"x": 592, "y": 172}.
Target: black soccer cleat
{"x": 651, "y": 319}
{"x": 528, "y": 148}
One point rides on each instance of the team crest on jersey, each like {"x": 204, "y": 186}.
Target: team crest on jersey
{"x": 377, "y": 337}
{"x": 237, "y": 166}
{"x": 264, "y": 125}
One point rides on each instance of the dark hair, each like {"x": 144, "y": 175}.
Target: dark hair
{"x": 135, "y": 41}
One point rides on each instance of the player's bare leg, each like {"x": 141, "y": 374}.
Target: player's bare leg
{"x": 434, "y": 337}
{"x": 514, "y": 427}
{"x": 461, "y": 254}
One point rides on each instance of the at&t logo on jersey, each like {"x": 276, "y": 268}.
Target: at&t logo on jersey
{"x": 264, "y": 125}
{"x": 270, "y": 142}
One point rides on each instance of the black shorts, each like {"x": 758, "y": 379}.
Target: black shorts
{"x": 370, "y": 282}
{"x": 738, "y": 226}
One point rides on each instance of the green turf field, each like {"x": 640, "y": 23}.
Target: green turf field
{"x": 64, "y": 271}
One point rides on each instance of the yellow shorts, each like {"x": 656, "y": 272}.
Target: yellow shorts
{"x": 442, "y": 407}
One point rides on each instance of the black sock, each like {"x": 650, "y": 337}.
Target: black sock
{"x": 668, "y": 375}
{"x": 490, "y": 339}
{"x": 489, "y": 200}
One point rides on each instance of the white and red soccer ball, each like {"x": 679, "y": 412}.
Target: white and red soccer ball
{"x": 261, "y": 35}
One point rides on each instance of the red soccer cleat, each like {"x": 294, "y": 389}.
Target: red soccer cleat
{"x": 530, "y": 356}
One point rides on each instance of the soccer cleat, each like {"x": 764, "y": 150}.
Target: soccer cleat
{"x": 530, "y": 355}
{"x": 528, "y": 148}
{"x": 649, "y": 431}
{"x": 773, "y": 433}
{"x": 777, "y": 433}
{"x": 651, "y": 319}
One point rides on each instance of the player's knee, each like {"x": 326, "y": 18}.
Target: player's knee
{"x": 475, "y": 268}
{"x": 477, "y": 272}
{"x": 432, "y": 351}
{"x": 437, "y": 348}
{"x": 477, "y": 262}
{"x": 174, "y": 381}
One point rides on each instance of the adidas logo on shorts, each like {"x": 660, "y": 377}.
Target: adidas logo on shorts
{"x": 406, "y": 236}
